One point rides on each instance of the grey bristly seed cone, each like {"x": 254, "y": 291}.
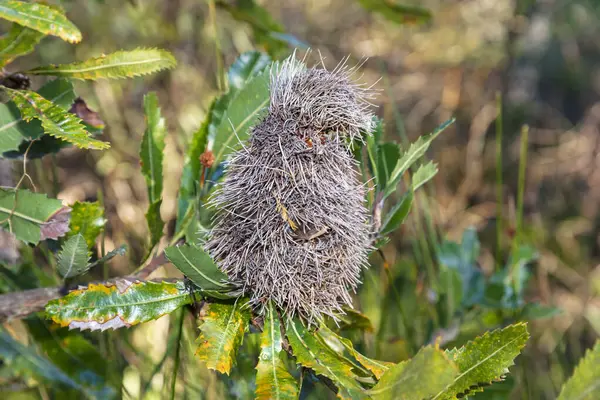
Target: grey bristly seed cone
{"x": 291, "y": 224}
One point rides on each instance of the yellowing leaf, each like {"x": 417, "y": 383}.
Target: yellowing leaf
{"x": 87, "y": 219}
{"x": 55, "y": 120}
{"x": 41, "y": 18}
{"x": 121, "y": 64}
{"x": 123, "y": 303}
{"x": 585, "y": 382}
{"x": 484, "y": 360}
{"x": 17, "y": 42}
{"x": 273, "y": 380}
{"x": 221, "y": 334}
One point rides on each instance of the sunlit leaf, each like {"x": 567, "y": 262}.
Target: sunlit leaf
{"x": 87, "y": 219}
{"x": 197, "y": 265}
{"x": 123, "y": 303}
{"x": 17, "y": 42}
{"x": 311, "y": 352}
{"x": 14, "y": 129}
{"x": 242, "y": 112}
{"x": 55, "y": 120}
{"x": 40, "y": 17}
{"x": 273, "y": 380}
{"x": 378, "y": 368}
{"x": 121, "y": 64}
{"x": 221, "y": 334}
{"x": 418, "y": 378}
{"x": 484, "y": 360}
{"x": 26, "y": 362}
{"x": 584, "y": 384}
{"x": 31, "y": 217}
{"x": 409, "y": 157}
{"x": 73, "y": 258}
{"x": 397, "y": 12}
{"x": 423, "y": 175}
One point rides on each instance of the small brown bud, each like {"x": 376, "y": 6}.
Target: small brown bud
{"x": 207, "y": 159}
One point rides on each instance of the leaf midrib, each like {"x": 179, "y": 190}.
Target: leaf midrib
{"x": 96, "y": 68}
{"x": 198, "y": 271}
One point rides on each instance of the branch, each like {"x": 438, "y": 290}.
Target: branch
{"x": 17, "y": 305}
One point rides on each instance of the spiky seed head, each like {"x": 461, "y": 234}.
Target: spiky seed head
{"x": 291, "y": 224}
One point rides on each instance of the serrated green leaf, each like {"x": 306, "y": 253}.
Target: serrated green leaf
{"x": 311, "y": 352}
{"x": 397, "y": 12}
{"x": 423, "y": 175}
{"x": 14, "y": 129}
{"x": 123, "y": 303}
{"x": 409, "y": 157}
{"x": 152, "y": 147}
{"x": 155, "y": 222}
{"x": 418, "y": 378}
{"x": 119, "y": 251}
{"x": 484, "y": 360}
{"x": 73, "y": 258}
{"x": 397, "y": 214}
{"x": 17, "y": 42}
{"x": 242, "y": 111}
{"x": 55, "y": 120}
{"x": 121, "y": 64}
{"x": 221, "y": 334}
{"x": 25, "y": 361}
{"x": 273, "y": 380}
{"x": 29, "y": 216}
{"x": 87, "y": 219}
{"x": 197, "y": 265}
{"x": 584, "y": 384}
{"x": 378, "y": 368}
{"x": 41, "y": 18}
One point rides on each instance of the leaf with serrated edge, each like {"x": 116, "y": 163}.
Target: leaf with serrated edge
{"x": 584, "y": 384}
{"x": 41, "y": 18}
{"x": 409, "y": 157}
{"x": 242, "y": 112}
{"x": 152, "y": 147}
{"x": 484, "y": 360}
{"x": 123, "y": 303}
{"x": 221, "y": 334}
{"x": 155, "y": 222}
{"x": 26, "y": 214}
{"x": 87, "y": 219}
{"x": 17, "y": 42}
{"x": 121, "y": 64}
{"x": 418, "y": 378}
{"x": 273, "y": 380}
{"x": 312, "y": 352}
{"x": 197, "y": 265}
{"x": 378, "y": 368}
{"x": 423, "y": 175}
{"x": 55, "y": 120}
{"x": 73, "y": 258}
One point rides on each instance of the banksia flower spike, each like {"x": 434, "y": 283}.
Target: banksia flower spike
{"x": 291, "y": 223}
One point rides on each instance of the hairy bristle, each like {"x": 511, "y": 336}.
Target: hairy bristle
{"x": 291, "y": 224}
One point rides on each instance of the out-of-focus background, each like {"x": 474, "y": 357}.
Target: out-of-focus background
{"x": 539, "y": 59}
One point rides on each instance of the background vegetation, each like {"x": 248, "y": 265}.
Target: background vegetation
{"x": 530, "y": 62}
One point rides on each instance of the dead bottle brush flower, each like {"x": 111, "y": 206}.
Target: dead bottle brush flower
{"x": 291, "y": 224}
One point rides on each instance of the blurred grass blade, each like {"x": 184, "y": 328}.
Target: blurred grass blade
{"x": 418, "y": 378}
{"x": 24, "y": 361}
{"x": 55, "y": 120}
{"x": 378, "y": 368}
{"x": 87, "y": 219}
{"x": 222, "y": 333}
{"x": 121, "y": 64}
{"x": 398, "y": 13}
{"x": 410, "y": 156}
{"x": 40, "y": 17}
{"x": 584, "y": 384}
{"x": 197, "y": 265}
{"x": 123, "y": 303}
{"x": 32, "y": 217}
{"x": 19, "y": 41}
{"x": 73, "y": 258}
{"x": 311, "y": 352}
{"x": 484, "y": 360}
{"x": 273, "y": 380}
